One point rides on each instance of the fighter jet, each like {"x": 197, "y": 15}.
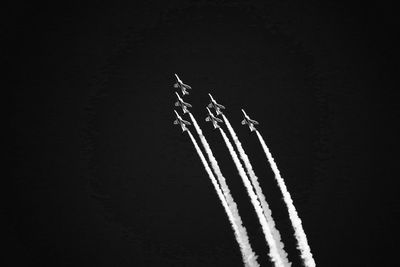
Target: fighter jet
{"x": 249, "y": 121}
{"x": 181, "y": 121}
{"x": 183, "y": 104}
{"x": 215, "y": 105}
{"x": 180, "y": 84}
{"x": 213, "y": 119}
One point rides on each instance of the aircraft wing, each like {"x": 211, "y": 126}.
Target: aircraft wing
{"x": 188, "y": 105}
{"x": 217, "y": 119}
{"x": 186, "y": 122}
{"x": 220, "y": 106}
{"x": 254, "y": 122}
{"x": 186, "y": 86}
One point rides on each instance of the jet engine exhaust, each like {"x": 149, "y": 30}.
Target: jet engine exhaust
{"x": 273, "y": 252}
{"x": 249, "y": 255}
{"x": 299, "y": 233}
{"x": 261, "y": 197}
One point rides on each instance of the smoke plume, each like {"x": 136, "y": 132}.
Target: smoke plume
{"x": 299, "y": 233}
{"x": 265, "y": 207}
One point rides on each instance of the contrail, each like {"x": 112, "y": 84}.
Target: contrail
{"x": 250, "y": 258}
{"x": 261, "y": 197}
{"x": 302, "y": 243}
{"x": 274, "y": 254}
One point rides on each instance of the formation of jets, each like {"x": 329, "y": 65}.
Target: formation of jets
{"x": 210, "y": 117}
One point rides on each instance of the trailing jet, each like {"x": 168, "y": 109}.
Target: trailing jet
{"x": 180, "y": 84}
{"x": 183, "y": 104}
{"x": 215, "y": 105}
{"x": 213, "y": 119}
{"x": 249, "y": 121}
{"x": 181, "y": 121}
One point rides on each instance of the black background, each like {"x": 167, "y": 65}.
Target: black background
{"x": 103, "y": 178}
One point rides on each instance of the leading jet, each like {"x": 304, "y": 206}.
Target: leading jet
{"x": 183, "y": 104}
{"x": 180, "y": 84}
{"x": 181, "y": 121}
{"x": 215, "y": 105}
{"x": 213, "y": 119}
{"x": 249, "y": 121}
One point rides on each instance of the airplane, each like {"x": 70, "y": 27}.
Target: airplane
{"x": 180, "y": 84}
{"x": 183, "y": 104}
{"x": 213, "y": 119}
{"x": 181, "y": 121}
{"x": 215, "y": 105}
{"x": 249, "y": 121}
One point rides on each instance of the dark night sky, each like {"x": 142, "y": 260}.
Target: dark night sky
{"x": 102, "y": 177}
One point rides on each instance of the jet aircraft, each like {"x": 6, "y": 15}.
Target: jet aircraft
{"x": 181, "y": 121}
{"x": 183, "y": 104}
{"x": 213, "y": 119}
{"x": 249, "y": 121}
{"x": 181, "y": 85}
{"x": 215, "y": 105}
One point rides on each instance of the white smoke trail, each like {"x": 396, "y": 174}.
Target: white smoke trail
{"x": 274, "y": 254}
{"x": 250, "y": 258}
{"x": 216, "y": 186}
{"x": 301, "y": 237}
{"x": 261, "y": 197}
